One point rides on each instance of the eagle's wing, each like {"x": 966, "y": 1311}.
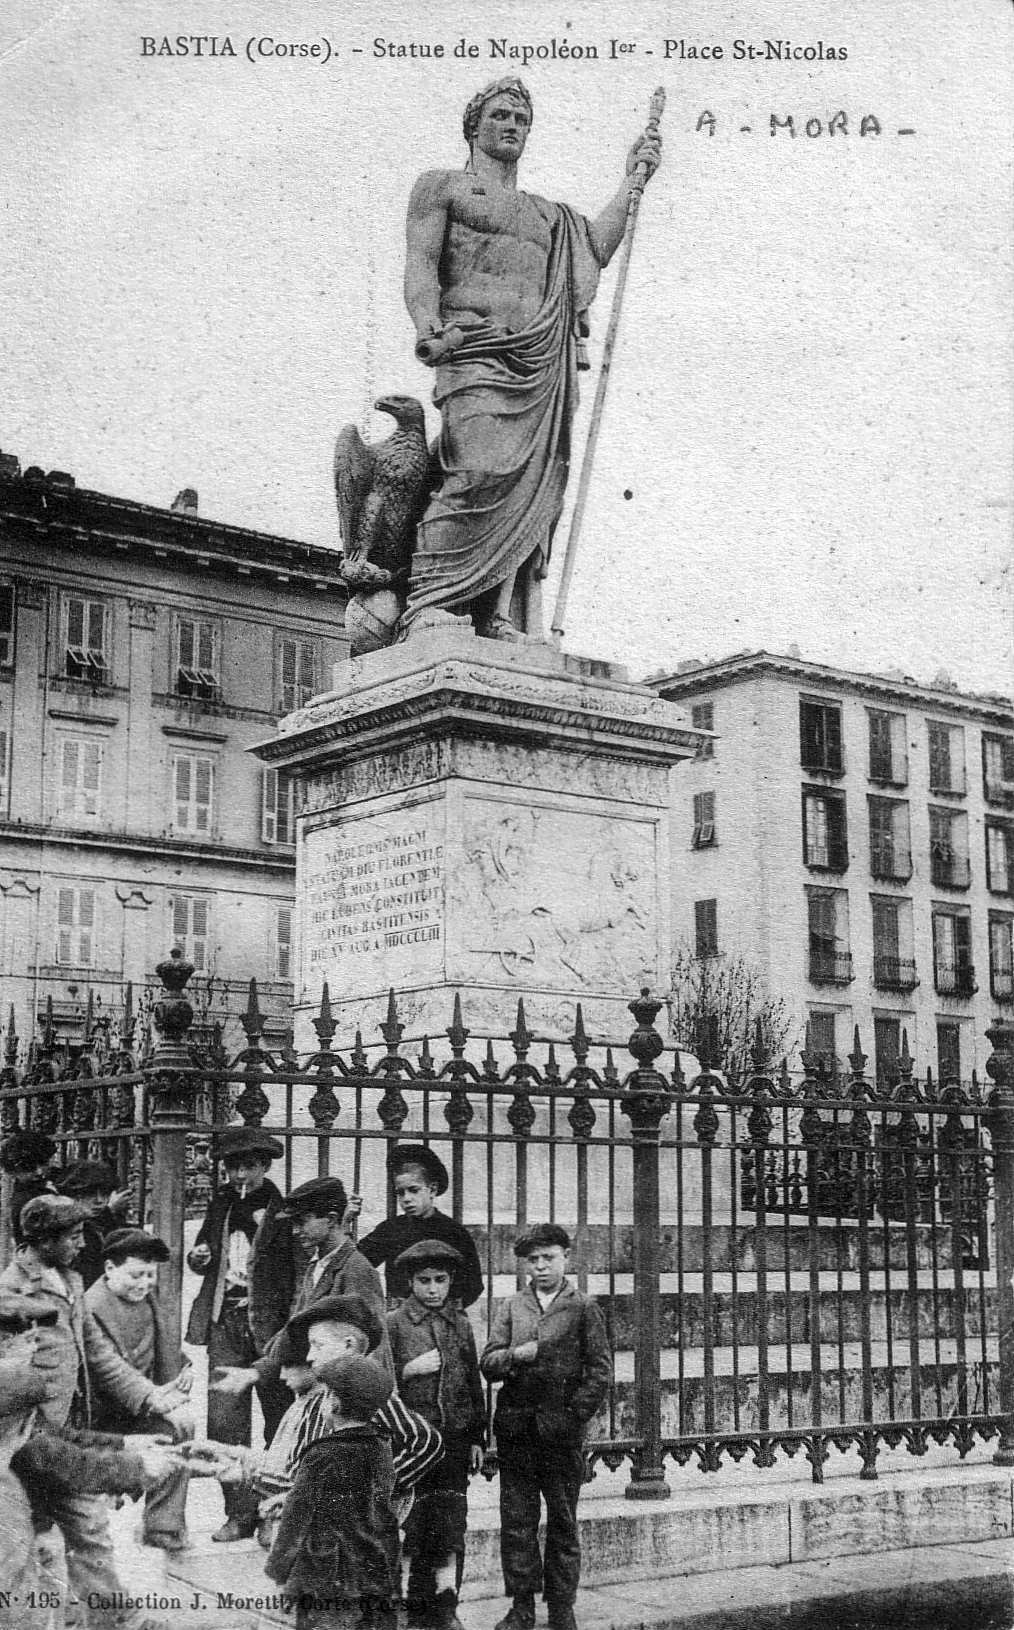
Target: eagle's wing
{"x": 353, "y": 477}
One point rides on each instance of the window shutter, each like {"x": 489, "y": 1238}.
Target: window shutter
{"x": 811, "y": 735}
{"x": 269, "y": 806}
{"x": 832, "y": 726}
{"x": 838, "y": 854}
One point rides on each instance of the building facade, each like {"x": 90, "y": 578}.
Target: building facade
{"x": 854, "y": 836}
{"x": 142, "y": 652}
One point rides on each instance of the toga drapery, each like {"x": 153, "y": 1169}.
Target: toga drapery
{"x": 506, "y": 401}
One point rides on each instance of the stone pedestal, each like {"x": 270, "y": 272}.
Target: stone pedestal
{"x": 485, "y": 818}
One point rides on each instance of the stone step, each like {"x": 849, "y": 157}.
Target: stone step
{"x": 742, "y": 1519}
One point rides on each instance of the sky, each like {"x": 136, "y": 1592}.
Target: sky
{"x": 807, "y": 438}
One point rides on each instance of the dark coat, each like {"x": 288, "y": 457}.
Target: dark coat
{"x": 551, "y": 1401}
{"x": 55, "y": 1463}
{"x": 108, "y": 1415}
{"x": 453, "y": 1398}
{"x": 390, "y": 1238}
{"x": 275, "y": 1270}
{"x": 338, "y": 1535}
{"x": 213, "y": 1233}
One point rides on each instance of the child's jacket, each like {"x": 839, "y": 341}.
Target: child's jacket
{"x": 338, "y": 1536}
{"x": 552, "y": 1400}
{"x": 452, "y": 1399}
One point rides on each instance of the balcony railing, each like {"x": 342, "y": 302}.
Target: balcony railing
{"x": 953, "y": 979}
{"x": 894, "y": 864}
{"x": 894, "y": 973}
{"x": 831, "y": 967}
{"x": 950, "y": 871}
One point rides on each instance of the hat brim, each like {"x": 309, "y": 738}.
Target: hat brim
{"x": 417, "y": 1154}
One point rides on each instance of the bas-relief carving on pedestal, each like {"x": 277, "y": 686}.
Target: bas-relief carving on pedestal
{"x": 501, "y": 763}
{"x": 554, "y": 898}
{"x": 396, "y": 771}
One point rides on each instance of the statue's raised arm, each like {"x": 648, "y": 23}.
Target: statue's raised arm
{"x": 497, "y": 282}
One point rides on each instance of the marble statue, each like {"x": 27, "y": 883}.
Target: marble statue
{"x": 497, "y": 282}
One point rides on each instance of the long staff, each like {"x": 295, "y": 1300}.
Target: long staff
{"x": 584, "y": 482}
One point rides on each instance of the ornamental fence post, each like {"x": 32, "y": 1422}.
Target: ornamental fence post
{"x": 171, "y": 1098}
{"x": 1000, "y": 1122}
{"x": 646, "y": 1102}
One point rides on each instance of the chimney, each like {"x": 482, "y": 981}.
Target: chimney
{"x": 185, "y": 502}
{"x": 10, "y": 466}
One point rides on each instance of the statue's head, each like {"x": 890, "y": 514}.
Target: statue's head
{"x": 507, "y": 93}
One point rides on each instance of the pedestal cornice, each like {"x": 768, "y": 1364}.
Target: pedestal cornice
{"x": 448, "y": 683}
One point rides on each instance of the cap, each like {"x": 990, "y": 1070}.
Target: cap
{"x": 350, "y": 1309}
{"x": 247, "y": 1140}
{"x": 417, "y": 1154}
{"x": 320, "y": 1195}
{"x": 429, "y": 1253}
{"x": 49, "y": 1214}
{"x": 289, "y": 1348}
{"x": 360, "y": 1385}
{"x": 23, "y": 1150}
{"x": 87, "y": 1177}
{"x": 123, "y": 1242}
{"x": 541, "y": 1234}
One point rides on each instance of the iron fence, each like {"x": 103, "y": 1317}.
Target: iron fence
{"x": 786, "y": 1263}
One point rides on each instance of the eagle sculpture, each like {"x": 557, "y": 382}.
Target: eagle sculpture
{"x": 381, "y": 492}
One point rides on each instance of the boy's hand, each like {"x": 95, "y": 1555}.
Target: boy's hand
{"x": 427, "y": 1363}
{"x": 120, "y": 1201}
{"x": 526, "y": 1353}
{"x": 475, "y": 1459}
{"x": 200, "y": 1256}
{"x": 350, "y": 1216}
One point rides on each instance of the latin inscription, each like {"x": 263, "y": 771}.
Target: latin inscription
{"x": 371, "y": 892}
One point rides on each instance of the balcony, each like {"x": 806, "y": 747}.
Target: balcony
{"x": 830, "y": 967}
{"x": 950, "y": 871}
{"x": 1001, "y": 985}
{"x": 894, "y": 973}
{"x": 955, "y": 979}
{"x": 891, "y": 865}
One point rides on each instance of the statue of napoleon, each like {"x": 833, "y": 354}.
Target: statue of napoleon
{"x": 497, "y": 282}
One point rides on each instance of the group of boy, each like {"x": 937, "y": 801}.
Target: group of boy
{"x": 374, "y": 1421}
{"x": 93, "y": 1395}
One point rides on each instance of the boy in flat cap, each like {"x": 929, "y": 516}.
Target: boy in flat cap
{"x": 436, "y": 1368}
{"x": 548, "y": 1346}
{"x": 315, "y": 1211}
{"x": 418, "y": 1177}
{"x": 86, "y": 1363}
{"x": 124, "y": 1303}
{"x": 93, "y": 1185}
{"x": 225, "y": 1255}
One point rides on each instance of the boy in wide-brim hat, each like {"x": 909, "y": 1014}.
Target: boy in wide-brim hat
{"x": 437, "y": 1371}
{"x": 418, "y": 1177}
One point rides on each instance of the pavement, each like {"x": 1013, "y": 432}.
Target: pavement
{"x": 821, "y": 1571}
